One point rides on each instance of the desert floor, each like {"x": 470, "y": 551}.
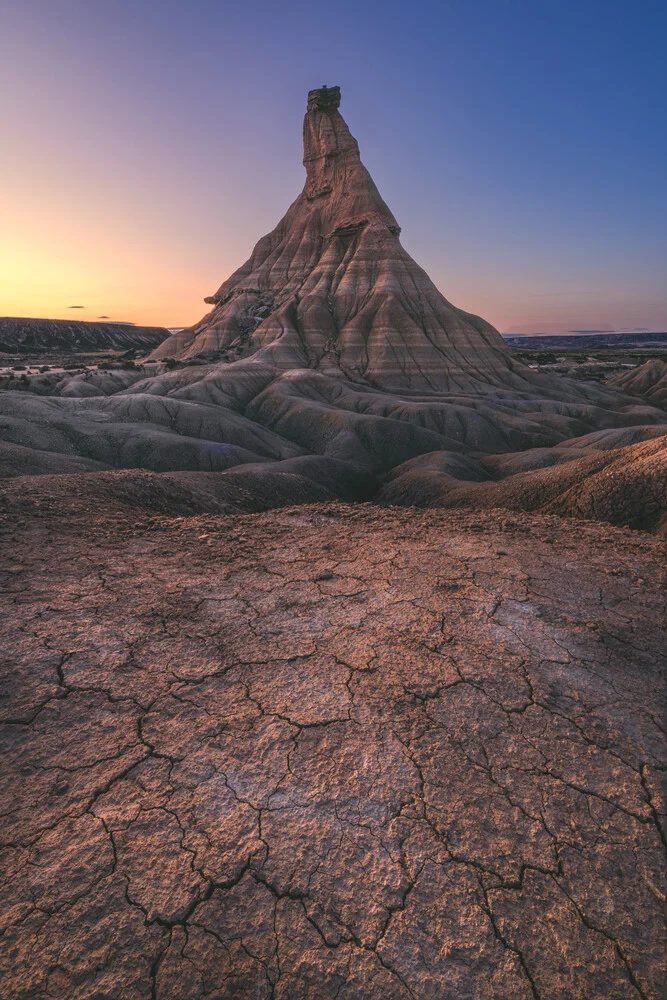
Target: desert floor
{"x": 331, "y": 751}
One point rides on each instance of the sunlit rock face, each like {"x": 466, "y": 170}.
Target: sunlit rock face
{"x": 332, "y": 288}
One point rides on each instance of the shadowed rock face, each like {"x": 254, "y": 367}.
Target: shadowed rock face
{"x": 331, "y": 752}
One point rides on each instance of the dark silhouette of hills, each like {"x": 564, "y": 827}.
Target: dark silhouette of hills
{"x": 61, "y": 336}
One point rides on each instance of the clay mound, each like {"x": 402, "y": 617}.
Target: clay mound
{"x": 118, "y": 494}
{"x": 625, "y": 486}
{"x": 649, "y": 381}
{"x": 18, "y": 460}
{"x": 332, "y": 752}
{"x": 502, "y": 466}
{"x": 141, "y": 432}
{"x": 631, "y": 490}
{"x": 62, "y": 336}
{"x": 128, "y": 493}
{"x": 357, "y": 423}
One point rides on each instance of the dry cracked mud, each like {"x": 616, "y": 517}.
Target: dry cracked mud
{"x": 333, "y": 752}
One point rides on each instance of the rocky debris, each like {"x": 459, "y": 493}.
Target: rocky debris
{"x": 332, "y": 751}
{"x": 37, "y": 336}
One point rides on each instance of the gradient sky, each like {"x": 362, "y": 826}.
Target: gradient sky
{"x": 522, "y": 146}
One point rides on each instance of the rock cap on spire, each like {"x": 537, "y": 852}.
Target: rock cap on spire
{"x": 324, "y": 99}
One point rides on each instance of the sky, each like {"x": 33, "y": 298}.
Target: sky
{"x": 521, "y": 144}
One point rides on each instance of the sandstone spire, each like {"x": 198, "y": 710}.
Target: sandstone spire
{"x": 332, "y": 288}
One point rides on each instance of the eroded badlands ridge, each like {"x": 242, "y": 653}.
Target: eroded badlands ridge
{"x": 329, "y": 342}
{"x": 331, "y": 751}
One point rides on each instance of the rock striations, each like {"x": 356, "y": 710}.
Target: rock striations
{"x": 332, "y": 288}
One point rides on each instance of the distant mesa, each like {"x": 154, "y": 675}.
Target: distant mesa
{"x": 609, "y": 329}
{"x": 40, "y": 336}
{"x": 579, "y": 340}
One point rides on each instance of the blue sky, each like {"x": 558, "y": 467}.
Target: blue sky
{"x": 521, "y": 146}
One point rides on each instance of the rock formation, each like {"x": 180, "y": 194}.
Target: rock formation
{"x": 328, "y": 356}
{"x": 332, "y": 288}
{"x": 332, "y": 751}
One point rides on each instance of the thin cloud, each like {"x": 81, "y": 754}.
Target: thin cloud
{"x": 631, "y": 329}
{"x": 104, "y": 317}
{"x": 76, "y": 307}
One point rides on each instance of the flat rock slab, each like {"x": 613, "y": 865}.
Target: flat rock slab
{"x": 331, "y": 751}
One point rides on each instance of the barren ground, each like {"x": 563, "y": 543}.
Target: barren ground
{"x": 331, "y": 751}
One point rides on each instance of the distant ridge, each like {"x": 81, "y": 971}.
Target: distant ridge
{"x": 41, "y": 336}
{"x": 585, "y": 340}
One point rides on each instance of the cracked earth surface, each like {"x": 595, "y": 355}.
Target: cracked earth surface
{"x": 332, "y": 751}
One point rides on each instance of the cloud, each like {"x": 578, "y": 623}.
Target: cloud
{"x": 76, "y": 307}
{"x": 103, "y": 317}
{"x": 629, "y": 329}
